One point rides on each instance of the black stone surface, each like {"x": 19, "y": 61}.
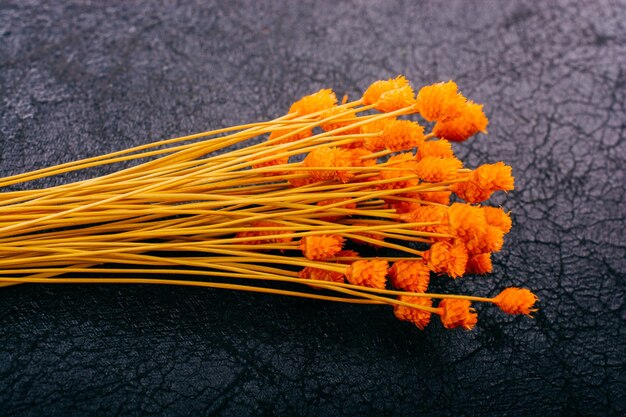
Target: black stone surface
{"x": 81, "y": 78}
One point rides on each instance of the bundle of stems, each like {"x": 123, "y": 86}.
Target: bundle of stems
{"x": 291, "y": 200}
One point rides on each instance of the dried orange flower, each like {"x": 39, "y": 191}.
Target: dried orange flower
{"x": 397, "y": 99}
{"x": 337, "y": 122}
{"x": 329, "y": 157}
{"x": 301, "y": 181}
{"x": 485, "y": 180}
{"x": 368, "y": 273}
{"x": 289, "y": 136}
{"x": 440, "y": 101}
{"x": 261, "y": 233}
{"x": 434, "y": 169}
{"x": 444, "y": 257}
{"x": 402, "y": 135}
{"x": 499, "y": 218}
{"x": 416, "y": 316}
{"x": 466, "y": 222}
{"x": 515, "y": 300}
{"x": 457, "y": 313}
{"x": 426, "y": 214}
{"x": 314, "y": 103}
{"x": 438, "y": 148}
{"x": 471, "y": 121}
{"x": 378, "y": 88}
{"x": 439, "y": 197}
{"x": 480, "y": 264}
{"x": 320, "y": 247}
{"x": 405, "y": 165}
{"x": 320, "y": 274}
{"x": 377, "y": 127}
{"x": 413, "y": 276}
{"x": 491, "y": 241}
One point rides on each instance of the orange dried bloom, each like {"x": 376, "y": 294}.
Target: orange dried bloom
{"x": 405, "y": 165}
{"x": 467, "y": 222}
{"x": 480, "y": 264}
{"x": 329, "y": 157}
{"x": 289, "y": 136}
{"x": 378, "y": 88}
{"x": 434, "y": 169}
{"x": 377, "y": 127}
{"x": 396, "y": 99}
{"x": 437, "y": 148}
{"x": 444, "y": 257}
{"x": 299, "y": 182}
{"x": 499, "y": 218}
{"x": 337, "y": 122}
{"x": 491, "y": 241}
{"x": 471, "y": 121}
{"x": 440, "y": 101}
{"x": 402, "y": 135}
{"x": 368, "y": 273}
{"x": 426, "y": 214}
{"x": 485, "y": 180}
{"x": 413, "y": 276}
{"x": 261, "y": 233}
{"x": 439, "y": 197}
{"x": 358, "y": 160}
{"x": 416, "y": 316}
{"x": 320, "y": 247}
{"x": 320, "y": 274}
{"x": 314, "y": 103}
{"x": 457, "y": 313}
{"x": 516, "y": 301}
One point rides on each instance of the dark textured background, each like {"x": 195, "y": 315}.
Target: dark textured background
{"x": 82, "y": 78}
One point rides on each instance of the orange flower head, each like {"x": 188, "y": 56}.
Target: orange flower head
{"x": 426, "y": 214}
{"x": 320, "y": 274}
{"x": 402, "y": 135}
{"x": 377, "y": 127}
{"x": 480, "y": 264}
{"x": 416, "y": 316}
{"x": 439, "y": 197}
{"x": 314, "y": 103}
{"x": 471, "y": 121}
{"x": 440, "y": 101}
{"x": 485, "y": 180}
{"x": 301, "y": 181}
{"x": 320, "y": 247}
{"x": 290, "y": 135}
{"x": 359, "y": 158}
{"x": 368, "y": 273}
{"x": 444, "y": 257}
{"x": 499, "y": 218}
{"x": 254, "y": 232}
{"x": 272, "y": 162}
{"x": 516, "y": 301}
{"x": 436, "y": 148}
{"x": 404, "y": 164}
{"x": 457, "y": 313}
{"x": 491, "y": 241}
{"x": 396, "y": 99}
{"x": 467, "y": 222}
{"x": 378, "y": 88}
{"x": 413, "y": 276}
{"x": 336, "y": 122}
{"x": 329, "y": 157}
{"x": 434, "y": 169}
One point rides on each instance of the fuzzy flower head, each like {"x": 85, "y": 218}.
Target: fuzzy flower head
{"x": 516, "y": 301}
{"x": 337, "y": 121}
{"x": 498, "y": 218}
{"x": 320, "y": 247}
{"x": 484, "y": 181}
{"x": 404, "y": 167}
{"x": 368, "y": 273}
{"x": 466, "y": 222}
{"x": 380, "y": 87}
{"x": 396, "y": 99}
{"x": 434, "y": 169}
{"x": 416, "y": 316}
{"x": 320, "y": 274}
{"x": 447, "y": 258}
{"x": 426, "y": 214}
{"x": 457, "y": 313}
{"x": 439, "y": 197}
{"x": 329, "y": 157}
{"x": 436, "y": 148}
{"x": 402, "y": 135}
{"x": 413, "y": 276}
{"x": 491, "y": 241}
{"x": 480, "y": 264}
{"x": 440, "y": 102}
{"x": 302, "y": 178}
{"x": 314, "y": 103}
{"x": 471, "y": 121}
{"x": 375, "y": 128}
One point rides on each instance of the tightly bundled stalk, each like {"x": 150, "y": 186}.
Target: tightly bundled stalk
{"x": 324, "y": 182}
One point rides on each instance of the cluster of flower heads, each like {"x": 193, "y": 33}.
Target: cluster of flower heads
{"x": 415, "y": 180}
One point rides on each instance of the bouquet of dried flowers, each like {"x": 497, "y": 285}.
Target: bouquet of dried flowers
{"x": 326, "y": 182}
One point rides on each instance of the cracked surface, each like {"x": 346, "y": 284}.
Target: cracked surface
{"x": 82, "y": 78}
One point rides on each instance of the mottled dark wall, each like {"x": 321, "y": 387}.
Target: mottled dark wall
{"x": 82, "y": 78}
